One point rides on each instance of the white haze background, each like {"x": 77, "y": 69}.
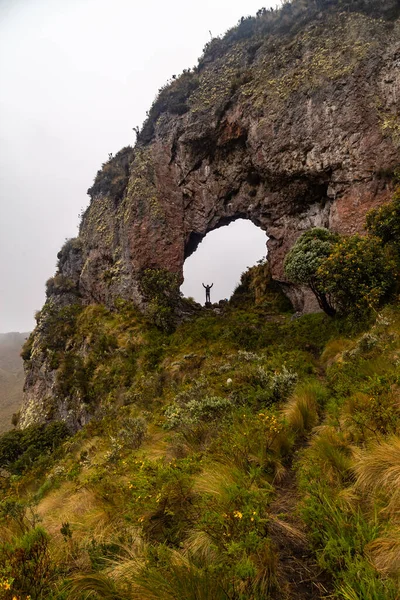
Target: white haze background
{"x": 75, "y": 77}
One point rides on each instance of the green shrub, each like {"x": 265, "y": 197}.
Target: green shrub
{"x": 25, "y": 560}
{"x": 59, "y": 285}
{"x": 303, "y": 261}
{"x": 113, "y": 177}
{"x": 359, "y": 274}
{"x": 133, "y": 432}
{"x": 26, "y": 351}
{"x": 160, "y": 289}
{"x": 19, "y": 449}
{"x": 207, "y": 409}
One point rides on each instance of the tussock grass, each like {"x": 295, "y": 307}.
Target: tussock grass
{"x": 216, "y": 479}
{"x": 377, "y": 469}
{"x": 94, "y": 585}
{"x": 199, "y": 544}
{"x": 301, "y": 410}
{"x": 379, "y": 365}
{"x": 180, "y": 582}
{"x": 333, "y": 452}
{"x": 82, "y": 509}
{"x": 334, "y": 349}
{"x": 265, "y": 581}
{"x": 384, "y": 553}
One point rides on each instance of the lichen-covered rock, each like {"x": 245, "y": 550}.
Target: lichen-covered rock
{"x": 290, "y": 131}
{"x": 291, "y": 125}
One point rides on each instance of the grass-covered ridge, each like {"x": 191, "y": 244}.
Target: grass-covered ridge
{"x": 241, "y": 61}
{"x": 247, "y": 455}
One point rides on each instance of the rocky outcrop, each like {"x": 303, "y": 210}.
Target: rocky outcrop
{"x": 291, "y": 127}
{"x": 289, "y": 131}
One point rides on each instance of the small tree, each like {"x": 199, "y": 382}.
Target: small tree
{"x": 359, "y": 274}
{"x": 160, "y": 289}
{"x": 304, "y": 259}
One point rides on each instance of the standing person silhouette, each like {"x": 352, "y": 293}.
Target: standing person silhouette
{"x": 208, "y": 288}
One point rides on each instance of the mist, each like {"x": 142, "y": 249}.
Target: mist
{"x": 75, "y": 78}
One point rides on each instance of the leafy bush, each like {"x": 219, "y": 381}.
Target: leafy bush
{"x": 160, "y": 288}
{"x": 133, "y": 432}
{"x": 282, "y": 383}
{"x": 359, "y": 274}
{"x": 25, "y": 561}
{"x": 206, "y": 409}
{"x": 20, "y": 448}
{"x": 303, "y": 261}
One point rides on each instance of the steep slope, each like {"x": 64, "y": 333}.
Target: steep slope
{"x": 290, "y": 120}
{"x": 252, "y": 457}
{"x": 11, "y": 376}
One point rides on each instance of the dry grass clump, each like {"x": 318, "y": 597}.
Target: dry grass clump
{"x": 377, "y": 469}
{"x": 384, "y": 553}
{"x": 216, "y": 480}
{"x": 301, "y": 410}
{"x": 81, "y": 509}
{"x": 199, "y": 544}
{"x": 94, "y": 585}
{"x": 333, "y": 349}
{"x": 333, "y": 453}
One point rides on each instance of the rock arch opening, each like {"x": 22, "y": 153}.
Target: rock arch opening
{"x": 221, "y": 257}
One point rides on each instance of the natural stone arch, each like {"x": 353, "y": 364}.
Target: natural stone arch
{"x": 290, "y": 128}
{"x": 291, "y": 148}
{"x": 282, "y": 211}
{"x": 221, "y": 257}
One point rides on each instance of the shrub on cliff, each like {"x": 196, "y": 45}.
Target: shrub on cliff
{"x": 304, "y": 259}
{"x": 113, "y": 177}
{"x": 160, "y": 289}
{"x": 171, "y": 98}
{"x": 359, "y": 274}
{"x": 59, "y": 285}
{"x": 256, "y": 286}
{"x": 20, "y": 448}
{"x": 26, "y": 350}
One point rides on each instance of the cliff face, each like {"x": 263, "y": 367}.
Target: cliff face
{"x": 290, "y": 129}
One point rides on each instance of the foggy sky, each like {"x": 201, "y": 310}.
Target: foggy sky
{"x": 221, "y": 258}
{"x": 75, "y": 77}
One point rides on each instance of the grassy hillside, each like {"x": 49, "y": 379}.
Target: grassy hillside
{"x": 247, "y": 455}
{"x": 11, "y": 376}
